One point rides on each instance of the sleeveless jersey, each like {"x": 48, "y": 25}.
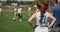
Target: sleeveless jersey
{"x": 45, "y": 18}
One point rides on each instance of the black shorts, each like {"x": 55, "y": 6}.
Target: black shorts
{"x": 20, "y": 15}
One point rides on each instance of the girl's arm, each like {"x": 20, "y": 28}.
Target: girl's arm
{"x": 52, "y": 20}
{"x": 30, "y": 20}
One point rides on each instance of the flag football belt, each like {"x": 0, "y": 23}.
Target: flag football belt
{"x": 42, "y": 26}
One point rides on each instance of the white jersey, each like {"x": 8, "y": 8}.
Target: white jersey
{"x": 46, "y": 15}
{"x": 0, "y": 9}
{"x": 19, "y": 10}
{"x": 29, "y": 8}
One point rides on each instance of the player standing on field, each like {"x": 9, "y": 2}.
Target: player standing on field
{"x": 20, "y": 13}
{"x": 15, "y": 13}
{"x": 41, "y": 19}
{"x": 29, "y": 10}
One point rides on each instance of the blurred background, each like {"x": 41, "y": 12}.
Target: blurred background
{"x": 9, "y": 4}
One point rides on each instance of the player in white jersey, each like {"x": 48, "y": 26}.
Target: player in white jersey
{"x": 20, "y": 13}
{"x": 0, "y": 10}
{"x": 15, "y": 13}
{"x": 41, "y": 19}
{"x": 29, "y": 10}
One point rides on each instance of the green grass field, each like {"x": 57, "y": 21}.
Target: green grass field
{"x": 8, "y": 25}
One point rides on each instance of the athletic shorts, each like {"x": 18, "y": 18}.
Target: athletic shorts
{"x": 41, "y": 29}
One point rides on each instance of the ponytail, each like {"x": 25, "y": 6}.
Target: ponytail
{"x": 39, "y": 6}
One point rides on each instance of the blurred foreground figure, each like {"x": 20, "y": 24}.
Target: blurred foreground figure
{"x": 56, "y": 13}
{"x": 54, "y": 3}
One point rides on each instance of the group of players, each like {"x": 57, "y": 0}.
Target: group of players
{"x": 18, "y": 12}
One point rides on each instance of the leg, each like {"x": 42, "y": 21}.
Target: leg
{"x": 15, "y": 16}
{"x": 0, "y": 12}
{"x": 28, "y": 12}
{"x": 20, "y": 17}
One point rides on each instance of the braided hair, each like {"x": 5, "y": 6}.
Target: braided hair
{"x": 40, "y": 6}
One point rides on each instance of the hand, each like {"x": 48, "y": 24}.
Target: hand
{"x": 49, "y": 26}
{"x": 32, "y": 27}
{"x": 35, "y": 26}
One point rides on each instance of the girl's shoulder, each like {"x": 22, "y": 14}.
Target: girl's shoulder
{"x": 47, "y": 13}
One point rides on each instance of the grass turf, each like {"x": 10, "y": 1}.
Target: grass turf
{"x": 8, "y": 25}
